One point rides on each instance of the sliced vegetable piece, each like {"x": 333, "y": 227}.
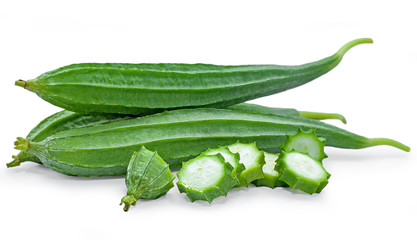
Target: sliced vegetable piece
{"x": 306, "y": 142}
{"x": 252, "y": 159}
{"x": 232, "y": 158}
{"x": 301, "y": 171}
{"x": 206, "y": 177}
{"x": 270, "y": 174}
{"x": 148, "y": 177}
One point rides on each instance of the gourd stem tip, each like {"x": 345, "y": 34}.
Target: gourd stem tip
{"x": 390, "y": 142}
{"x": 128, "y": 201}
{"x": 322, "y": 116}
{"x": 14, "y": 163}
{"x": 21, "y": 83}
{"x": 351, "y": 44}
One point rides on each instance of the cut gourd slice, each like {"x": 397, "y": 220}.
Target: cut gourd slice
{"x": 270, "y": 174}
{"x": 206, "y": 177}
{"x": 301, "y": 171}
{"x": 232, "y": 158}
{"x": 306, "y": 142}
{"x": 252, "y": 159}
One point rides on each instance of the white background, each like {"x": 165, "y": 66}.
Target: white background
{"x": 371, "y": 193}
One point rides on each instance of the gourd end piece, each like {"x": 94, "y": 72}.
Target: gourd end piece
{"x": 322, "y": 116}
{"x": 128, "y": 201}
{"x": 14, "y": 163}
{"x": 351, "y": 44}
{"x": 21, "y": 83}
{"x": 21, "y": 144}
{"x": 387, "y": 141}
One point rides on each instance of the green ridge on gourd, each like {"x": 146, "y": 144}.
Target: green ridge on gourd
{"x": 148, "y": 177}
{"x": 206, "y": 177}
{"x": 104, "y": 150}
{"x": 66, "y": 120}
{"x": 150, "y": 88}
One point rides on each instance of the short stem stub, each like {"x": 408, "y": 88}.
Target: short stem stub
{"x": 14, "y": 163}
{"x": 127, "y": 201}
{"x": 21, "y": 83}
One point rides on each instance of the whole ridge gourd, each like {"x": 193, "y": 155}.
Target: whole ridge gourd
{"x": 66, "y": 120}
{"x": 178, "y": 135}
{"x": 149, "y": 88}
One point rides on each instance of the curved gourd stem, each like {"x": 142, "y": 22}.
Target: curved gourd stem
{"x": 322, "y": 116}
{"x": 22, "y": 145}
{"x": 128, "y": 200}
{"x": 16, "y": 162}
{"x": 351, "y": 44}
{"x": 386, "y": 141}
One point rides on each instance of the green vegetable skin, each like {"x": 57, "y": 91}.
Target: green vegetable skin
{"x": 148, "y": 177}
{"x": 150, "y": 88}
{"x": 66, "y": 120}
{"x": 178, "y": 135}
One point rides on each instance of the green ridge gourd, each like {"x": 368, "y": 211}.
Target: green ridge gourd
{"x": 178, "y": 135}
{"x": 148, "y": 177}
{"x": 148, "y": 88}
{"x": 66, "y": 120}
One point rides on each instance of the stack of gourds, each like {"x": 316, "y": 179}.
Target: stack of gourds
{"x": 114, "y": 110}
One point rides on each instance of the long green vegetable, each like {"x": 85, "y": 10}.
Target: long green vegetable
{"x": 66, "y": 120}
{"x": 150, "y": 88}
{"x": 177, "y": 135}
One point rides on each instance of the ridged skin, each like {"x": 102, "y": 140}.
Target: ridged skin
{"x": 62, "y": 121}
{"x": 66, "y": 120}
{"x": 149, "y": 88}
{"x": 177, "y": 135}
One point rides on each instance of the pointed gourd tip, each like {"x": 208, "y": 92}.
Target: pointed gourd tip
{"x": 21, "y": 83}
{"x": 389, "y": 142}
{"x": 351, "y": 44}
{"x": 14, "y": 163}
